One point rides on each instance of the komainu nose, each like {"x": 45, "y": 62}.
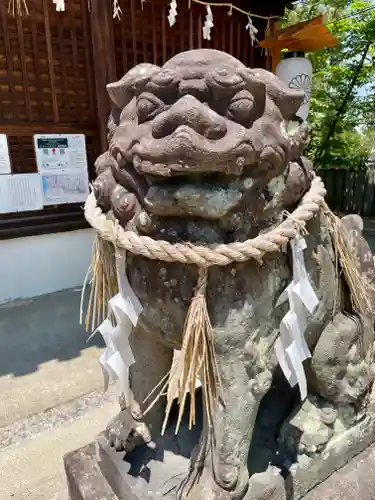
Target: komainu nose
{"x": 191, "y": 112}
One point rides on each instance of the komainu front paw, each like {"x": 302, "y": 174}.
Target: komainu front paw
{"x": 124, "y": 433}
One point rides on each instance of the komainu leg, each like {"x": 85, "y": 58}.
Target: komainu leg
{"x": 131, "y": 427}
{"x": 219, "y": 470}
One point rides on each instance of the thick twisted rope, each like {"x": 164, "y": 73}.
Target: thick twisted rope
{"x": 213, "y": 255}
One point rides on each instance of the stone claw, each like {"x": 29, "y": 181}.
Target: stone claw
{"x": 124, "y": 433}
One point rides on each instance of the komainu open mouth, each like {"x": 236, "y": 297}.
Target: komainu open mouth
{"x": 189, "y": 166}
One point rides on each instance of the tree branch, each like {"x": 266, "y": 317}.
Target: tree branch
{"x": 344, "y": 103}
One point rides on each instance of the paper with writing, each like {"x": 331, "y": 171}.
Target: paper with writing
{"x": 5, "y": 165}
{"x": 62, "y": 163}
{"x": 20, "y": 193}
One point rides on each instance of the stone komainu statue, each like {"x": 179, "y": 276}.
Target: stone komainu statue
{"x": 198, "y": 153}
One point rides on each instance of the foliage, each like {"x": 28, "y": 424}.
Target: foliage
{"x": 342, "y": 104}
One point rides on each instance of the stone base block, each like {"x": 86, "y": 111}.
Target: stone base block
{"x": 85, "y": 480}
{"x": 98, "y": 472}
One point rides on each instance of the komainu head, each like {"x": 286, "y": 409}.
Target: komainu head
{"x": 205, "y": 120}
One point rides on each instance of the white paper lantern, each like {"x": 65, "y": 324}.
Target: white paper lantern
{"x": 296, "y": 71}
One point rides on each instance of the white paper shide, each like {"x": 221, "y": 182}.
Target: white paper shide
{"x": 291, "y": 347}
{"x": 208, "y": 24}
{"x": 124, "y": 310}
{"x": 60, "y": 5}
{"x": 253, "y": 31}
{"x": 172, "y": 12}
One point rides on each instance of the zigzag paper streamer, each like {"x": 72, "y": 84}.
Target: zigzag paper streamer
{"x": 252, "y": 30}
{"x": 208, "y": 24}
{"x": 60, "y": 5}
{"x": 124, "y": 310}
{"x": 172, "y": 13}
{"x": 117, "y": 10}
{"x": 291, "y": 348}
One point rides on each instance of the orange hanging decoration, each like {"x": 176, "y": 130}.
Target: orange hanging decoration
{"x": 306, "y": 36}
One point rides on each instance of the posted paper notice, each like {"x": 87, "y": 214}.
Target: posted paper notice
{"x": 20, "y": 193}
{"x": 62, "y": 163}
{"x": 64, "y": 188}
{"x": 5, "y": 165}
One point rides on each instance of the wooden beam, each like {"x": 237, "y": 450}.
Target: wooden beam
{"x": 104, "y": 61}
{"x": 28, "y": 129}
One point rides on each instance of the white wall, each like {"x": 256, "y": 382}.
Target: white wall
{"x": 43, "y": 264}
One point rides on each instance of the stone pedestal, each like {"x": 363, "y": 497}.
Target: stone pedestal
{"x": 355, "y": 480}
{"x": 98, "y": 472}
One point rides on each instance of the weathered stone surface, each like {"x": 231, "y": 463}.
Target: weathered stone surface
{"x": 85, "y": 481}
{"x": 194, "y": 200}
{"x": 158, "y": 470}
{"x": 355, "y": 480}
{"x": 305, "y": 430}
{"x": 185, "y": 141}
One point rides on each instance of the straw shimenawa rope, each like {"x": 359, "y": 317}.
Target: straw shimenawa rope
{"x": 213, "y": 255}
{"x": 198, "y": 359}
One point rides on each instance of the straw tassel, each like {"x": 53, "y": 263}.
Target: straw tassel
{"x": 19, "y": 7}
{"x": 268, "y": 34}
{"x": 197, "y": 361}
{"x": 103, "y": 283}
{"x": 347, "y": 261}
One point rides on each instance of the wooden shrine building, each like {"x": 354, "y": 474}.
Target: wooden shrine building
{"x": 54, "y": 67}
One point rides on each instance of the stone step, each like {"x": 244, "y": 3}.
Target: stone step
{"x": 32, "y": 449}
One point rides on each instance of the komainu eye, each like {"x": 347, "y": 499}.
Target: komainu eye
{"x": 148, "y": 106}
{"x": 241, "y": 108}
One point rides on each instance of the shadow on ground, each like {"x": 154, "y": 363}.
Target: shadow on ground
{"x": 38, "y": 330}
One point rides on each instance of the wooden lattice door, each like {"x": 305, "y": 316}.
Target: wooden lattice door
{"x": 46, "y": 77}
{"x": 143, "y": 34}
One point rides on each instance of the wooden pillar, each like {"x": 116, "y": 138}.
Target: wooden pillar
{"x": 104, "y": 61}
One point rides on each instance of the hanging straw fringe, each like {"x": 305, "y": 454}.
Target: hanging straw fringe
{"x": 268, "y": 34}
{"x": 197, "y": 361}
{"x": 103, "y": 283}
{"x": 346, "y": 258}
{"x": 19, "y": 7}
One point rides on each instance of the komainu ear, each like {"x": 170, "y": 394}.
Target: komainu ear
{"x": 123, "y": 91}
{"x": 287, "y": 100}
